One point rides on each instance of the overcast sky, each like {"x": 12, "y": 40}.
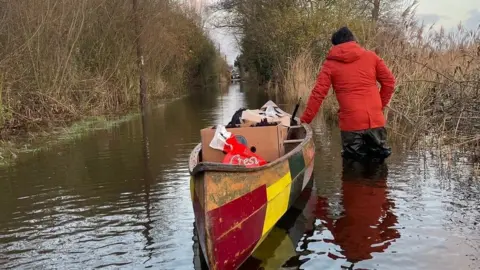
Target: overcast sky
{"x": 448, "y": 13}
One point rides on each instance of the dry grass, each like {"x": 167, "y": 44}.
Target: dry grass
{"x": 300, "y": 76}
{"x": 63, "y": 60}
{"x": 300, "y": 79}
{"x": 438, "y": 82}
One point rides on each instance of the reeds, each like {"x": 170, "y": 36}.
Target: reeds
{"x": 63, "y": 60}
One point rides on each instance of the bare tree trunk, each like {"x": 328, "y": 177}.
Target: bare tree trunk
{"x": 141, "y": 63}
{"x": 376, "y": 10}
{"x": 375, "y": 16}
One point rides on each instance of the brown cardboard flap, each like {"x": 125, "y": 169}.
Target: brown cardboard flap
{"x": 266, "y": 140}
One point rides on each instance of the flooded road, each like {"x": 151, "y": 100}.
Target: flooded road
{"x": 120, "y": 199}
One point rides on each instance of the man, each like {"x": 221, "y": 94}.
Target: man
{"x": 354, "y": 72}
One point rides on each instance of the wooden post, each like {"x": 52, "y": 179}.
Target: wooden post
{"x": 141, "y": 62}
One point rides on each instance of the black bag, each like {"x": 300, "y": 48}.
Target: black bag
{"x": 236, "y": 119}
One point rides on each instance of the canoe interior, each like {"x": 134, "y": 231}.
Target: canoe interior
{"x": 295, "y": 136}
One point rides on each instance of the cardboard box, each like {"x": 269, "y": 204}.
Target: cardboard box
{"x": 255, "y": 116}
{"x": 266, "y": 140}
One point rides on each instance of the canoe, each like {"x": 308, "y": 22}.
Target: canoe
{"x": 280, "y": 246}
{"x": 236, "y": 207}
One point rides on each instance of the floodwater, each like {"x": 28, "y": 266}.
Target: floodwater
{"x": 119, "y": 199}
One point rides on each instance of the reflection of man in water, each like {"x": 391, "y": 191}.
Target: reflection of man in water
{"x": 367, "y": 222}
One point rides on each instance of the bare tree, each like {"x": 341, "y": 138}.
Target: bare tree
{"x": 141, "y": 63}
{"x": 375, "y": 10}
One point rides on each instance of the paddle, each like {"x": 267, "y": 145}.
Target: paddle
{"x": 293, "y": 122}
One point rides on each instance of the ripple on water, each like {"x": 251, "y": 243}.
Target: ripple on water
{"x": 93, "y": 204}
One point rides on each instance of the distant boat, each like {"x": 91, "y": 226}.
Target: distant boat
{"x": 235, "y": 77}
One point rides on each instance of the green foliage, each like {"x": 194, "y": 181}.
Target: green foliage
{"x": 274, "y": 31}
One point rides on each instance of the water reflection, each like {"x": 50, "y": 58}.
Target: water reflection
{"x": 120, "y": 198}
{"x": 229, "y": 102}
{"x": 280, "y": 246}
{"x": 148, "y": 179}
{"x": 367, "y": 224}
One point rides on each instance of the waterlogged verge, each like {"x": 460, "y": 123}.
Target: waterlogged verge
{"x": 14, "y": 149}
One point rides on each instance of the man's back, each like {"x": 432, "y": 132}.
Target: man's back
{"x": 354, "y": 72}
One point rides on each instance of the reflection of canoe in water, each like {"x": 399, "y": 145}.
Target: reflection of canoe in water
{"x": 279, "y": 249}
{"x": 236, "y": 207}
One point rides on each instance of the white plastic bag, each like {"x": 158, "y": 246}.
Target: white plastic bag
{"x": 270, "y": 111}
{"x": 219, "y": 140}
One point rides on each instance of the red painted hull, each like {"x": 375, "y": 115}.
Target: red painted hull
{"x": 234, "y": 228}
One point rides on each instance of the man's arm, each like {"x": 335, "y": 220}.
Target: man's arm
{"x": 387, "y": 81}
{"x": 317, "y": 96}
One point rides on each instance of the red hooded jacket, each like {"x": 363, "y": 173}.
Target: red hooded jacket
{"x": 353, "y": 72}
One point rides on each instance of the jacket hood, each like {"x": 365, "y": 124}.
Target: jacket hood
{"x": 347, "y": 52}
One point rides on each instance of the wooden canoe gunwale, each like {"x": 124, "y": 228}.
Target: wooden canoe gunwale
{"x": 219, "y": 167}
